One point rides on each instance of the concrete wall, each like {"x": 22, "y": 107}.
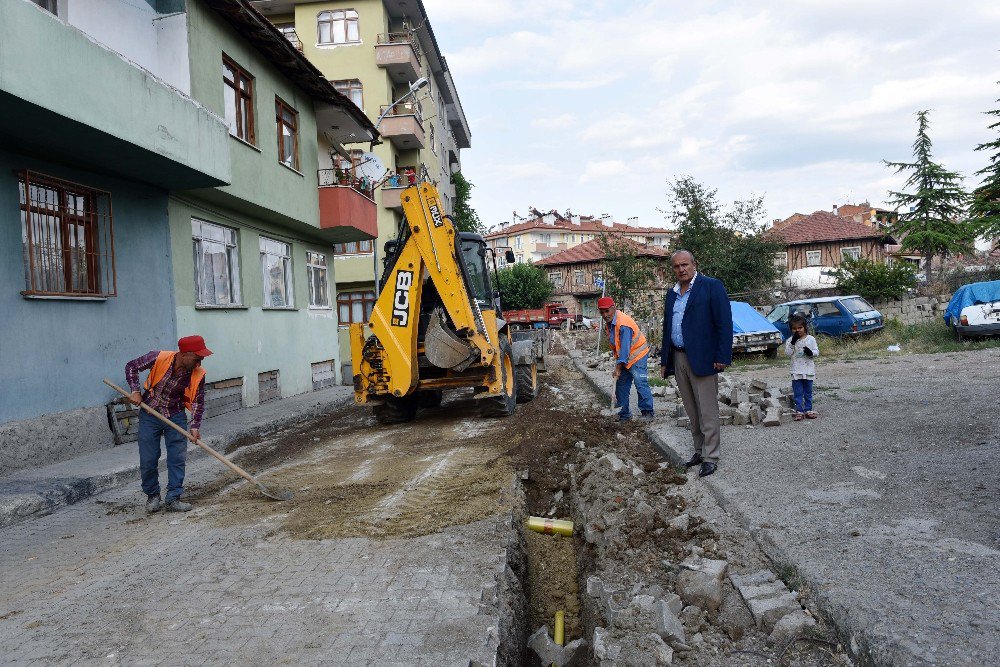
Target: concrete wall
{"x": 249, "y": 340}
{"x": 54, "y": 353}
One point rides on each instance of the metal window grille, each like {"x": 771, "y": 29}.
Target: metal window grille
{"x": 67, "y": 237}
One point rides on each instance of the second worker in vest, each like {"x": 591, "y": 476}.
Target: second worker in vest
{"x": 630, "y": 348}
{"x": 176, "y": 381}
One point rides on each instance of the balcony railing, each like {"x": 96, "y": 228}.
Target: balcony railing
{"x": 400, "y": 38}
{"x": 334, "y": 177}
{"x": 407, "y": 176}
{"x": 292, "y": 37}
{"x": 403, "y": 109}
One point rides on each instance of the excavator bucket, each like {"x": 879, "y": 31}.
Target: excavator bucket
{"x": 443, "y": 348}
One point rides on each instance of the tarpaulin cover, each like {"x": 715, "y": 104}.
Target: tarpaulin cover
{"x": 970, "y": 295}
{"x": 748, "y": 320}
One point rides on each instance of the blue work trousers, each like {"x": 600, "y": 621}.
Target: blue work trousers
{"x": 623, "y": 388}
{"x": 150, "y": 431}
{"x": 802, "y": 390}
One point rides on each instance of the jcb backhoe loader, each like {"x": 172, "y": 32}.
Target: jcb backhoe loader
{"x": 436, "y": 323}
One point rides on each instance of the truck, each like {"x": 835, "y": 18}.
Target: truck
{"x": 435, "y": 324}
{"x": 549, "y": 315}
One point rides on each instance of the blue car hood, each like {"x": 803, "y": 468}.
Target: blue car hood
{"x": 970, "y": 295}
{"x": 748, "y": 320}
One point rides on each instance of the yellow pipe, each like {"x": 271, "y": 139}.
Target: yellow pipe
{"x": 560, "y": 627}
{"x": 550, "y": 526}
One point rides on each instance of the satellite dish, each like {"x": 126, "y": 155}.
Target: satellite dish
{"x": 371, "y": 167}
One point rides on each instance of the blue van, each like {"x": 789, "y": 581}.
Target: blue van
{"x": 834, "y": 316}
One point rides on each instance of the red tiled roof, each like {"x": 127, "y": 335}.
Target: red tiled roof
{"x": 587, "y": 224}
{"x": 820, "y": 227}
{"x": 591, "y": 251}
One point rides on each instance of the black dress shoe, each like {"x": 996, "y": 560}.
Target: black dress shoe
{"x": 707, "y": 468}
{"x": 695, "y": 460}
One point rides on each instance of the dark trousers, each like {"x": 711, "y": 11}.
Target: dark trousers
{"x": 150, "y": 431}
{"x": 802, "y": 390}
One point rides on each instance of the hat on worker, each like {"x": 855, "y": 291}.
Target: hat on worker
{"x": 605, "y": 302}
{"x": 194, "y": 344}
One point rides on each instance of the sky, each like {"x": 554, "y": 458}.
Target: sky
{"x": 595, "y": 106}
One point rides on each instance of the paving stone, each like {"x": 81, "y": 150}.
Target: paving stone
{"x": 768, "y": 611}
{"x": 700, "y": 582}
{"x": 772, "y": 417}
{"x": 668, "y": 624}
{"x": 791, "y": 626}
{"x": 768, "y": 590}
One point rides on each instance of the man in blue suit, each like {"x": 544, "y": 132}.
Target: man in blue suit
{"x": 697, "y": 345}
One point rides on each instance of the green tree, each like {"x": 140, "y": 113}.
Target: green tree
{"x": 728, "y": 244}
{"x": 984, "y": 212}
{"x": 628, "y": 278}
{"x": 465, "y": 217}
{"x": 932, "y": 221}
{"x": 523, "y": 286}
{"x": 874, "y": 280}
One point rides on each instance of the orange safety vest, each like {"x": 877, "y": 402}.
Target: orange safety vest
{"x": 639, "y": 347}
{"x": 163, "y": 361}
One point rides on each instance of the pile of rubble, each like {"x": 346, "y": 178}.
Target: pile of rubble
{"x": 659, "y": 583}
{"x": 740, "y": 403}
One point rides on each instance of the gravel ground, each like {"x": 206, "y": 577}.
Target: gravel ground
{"x": 887, "y": 505}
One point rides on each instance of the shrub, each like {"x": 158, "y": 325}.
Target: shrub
{"x": 874, "y": 280}
{"x": 523, "y": 286}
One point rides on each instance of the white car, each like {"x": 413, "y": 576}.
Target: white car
{"x": 974, "y": 310}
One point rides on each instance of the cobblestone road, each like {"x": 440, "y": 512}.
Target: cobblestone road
{"x": 102, "y": 583}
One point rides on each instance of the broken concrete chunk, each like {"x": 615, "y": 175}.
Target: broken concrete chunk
{"x": 768, "y": 611}
{"x": 674, "y": 603}
{"x": 668, "y": 624}
{"x": 662, "y": 654}
{"x": 769, "y": 590}
{"x": 595, "y": 587}
{"x": 726, "y": 420}
{"x": 759, "y": 384}
{"x": 769, "y": 403}
{"x": 772, "y": 417}
{"x": 738, "y": 395}
{"x": 603, "y": 649}
{"x": 611, "y": 459}
{"x": 693, "y": 617}
{"x": 659, "y": 390}
{"x": 753, "y": 579}
{"x": 551, "y": 653}
{"x": 755, "y": 415}
{"x": 700, "y": 582}
{"x": 790, "y": 626}
{"x": 680, "y": 522}
{"x": 684, "y": 422}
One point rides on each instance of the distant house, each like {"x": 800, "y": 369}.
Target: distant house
{"x": 823, "y": 239}
{"x": 577, "y": 273}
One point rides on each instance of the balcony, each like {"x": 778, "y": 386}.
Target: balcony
{"x": 403, "y": 125}
{"x": 399, "y": 55}
{"x": 292, "y": 37}
{"x": 346, "y": 207}
{"x": 394, "y": 185}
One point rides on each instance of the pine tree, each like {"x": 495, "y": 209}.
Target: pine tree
{"x": 985, "y": 210}
{"x": 932, "y": 220}
{"x": 465, "y": 217}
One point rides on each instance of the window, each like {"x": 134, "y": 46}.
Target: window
{"x": 578, "y": 278}
{"x": 319, "y": 286}
{"x": 851, "y": 253}
{"x": 276, "y": 262}
{"x": 826, "y": 309}
{"x": 353, "y": 248}
{"x": 287, "y": 120}
{"x": 857, "y": 305}
{"x": 555, "y": 277}
{"x": 433, "y": 145}
{"x": 238, "y": 101}
{"x": 598, "y": 274}
{"x": 49, "y": 5}
{"x": 355, "y": 307}
{"x": 66, "y": 233}
{"x": 814, "y": 257}
{"x": 348, "y": 166}
{"x": 781, "y": 260}
{"x": 338, "y": 27}
{"x": 520, "y": 259}
{"x": 288, "y": 30}
{"x": 353, "y": 90}
{"x": 216, "y": 264}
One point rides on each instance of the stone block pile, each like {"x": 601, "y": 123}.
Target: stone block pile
{"x": 776, "y": 610}
{"x": 750, "y": 403}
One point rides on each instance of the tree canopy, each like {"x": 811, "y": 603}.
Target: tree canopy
{"x": 932, "y": 216}
{"x": 466, "y": 218}
{"x": 729, "y": 244}
{"x": 632, "y": 281}
{"x": 985, "y": 210}
{"x": 875, "y": 280}
{"x": 523, "y": 286}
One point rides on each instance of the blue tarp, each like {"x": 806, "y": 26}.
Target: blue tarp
{"x": 970, "y": 295}
{"x": 748, "y": 320}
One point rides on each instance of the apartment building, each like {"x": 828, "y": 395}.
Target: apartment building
{"x": 161, "y": 180}
{"x": 546, "y": 234}
{"x": 373, "y": 51}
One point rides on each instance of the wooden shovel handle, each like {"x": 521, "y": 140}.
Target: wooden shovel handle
{"x": 232, "y": 466}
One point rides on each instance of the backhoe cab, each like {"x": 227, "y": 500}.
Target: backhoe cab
{"x": 435, "y": 324}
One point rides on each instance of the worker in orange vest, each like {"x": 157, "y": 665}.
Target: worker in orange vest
{"x": 630, "y": 348}
{"x": 176, "y": 382}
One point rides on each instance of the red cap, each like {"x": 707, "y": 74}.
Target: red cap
{"x": 605, "y": 302}
{"x": 194, "y": 344}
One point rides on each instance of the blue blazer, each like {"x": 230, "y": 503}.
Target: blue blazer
{"x": 707, "y": 327}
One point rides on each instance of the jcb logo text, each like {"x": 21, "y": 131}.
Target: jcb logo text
{"x": 401, "y": 300}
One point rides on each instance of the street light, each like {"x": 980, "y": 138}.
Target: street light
{"x": 414, "y": 87}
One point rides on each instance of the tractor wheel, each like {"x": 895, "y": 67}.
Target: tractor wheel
{"x": 396, "y": 410}
{"x": 504, "y": 404}
{"x": 429, "y": 398}
{"x": 526, "y": 379}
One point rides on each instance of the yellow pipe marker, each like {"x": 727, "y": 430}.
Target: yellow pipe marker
{"x": 550, "y": 526}
{"x": 560, "y": 630}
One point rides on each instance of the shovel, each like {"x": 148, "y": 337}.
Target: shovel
{"x": 274, "y": 495}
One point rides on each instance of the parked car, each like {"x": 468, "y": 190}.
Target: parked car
{"x": 834, "y": 316}
{"x": 974, "y": 310}
{"x": 752, "y": 332}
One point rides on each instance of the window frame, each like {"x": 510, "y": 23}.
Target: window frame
{"x": 555, "y": 277}
{"x": 232, "y": 265}
{"x": 579, "y": 277}
{"x": 347, "y": 87}
{"x": 311, "y": 268}
{"x": 348, "y": 298}
{"x": 331, "y": 19}
{"x": 241, "y": 95}
{"x": 819, "y": 261}
{"x": 280, "y": 108}
{"x": 342, "y": 249}
{"x": 288, "y": 276}
{"x": 844, "y": 255}
{"x": 74, "y": 211}
{"x": 780, "y": 259}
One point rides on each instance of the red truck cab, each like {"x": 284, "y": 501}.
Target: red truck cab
{"x": 549, "y": 315}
